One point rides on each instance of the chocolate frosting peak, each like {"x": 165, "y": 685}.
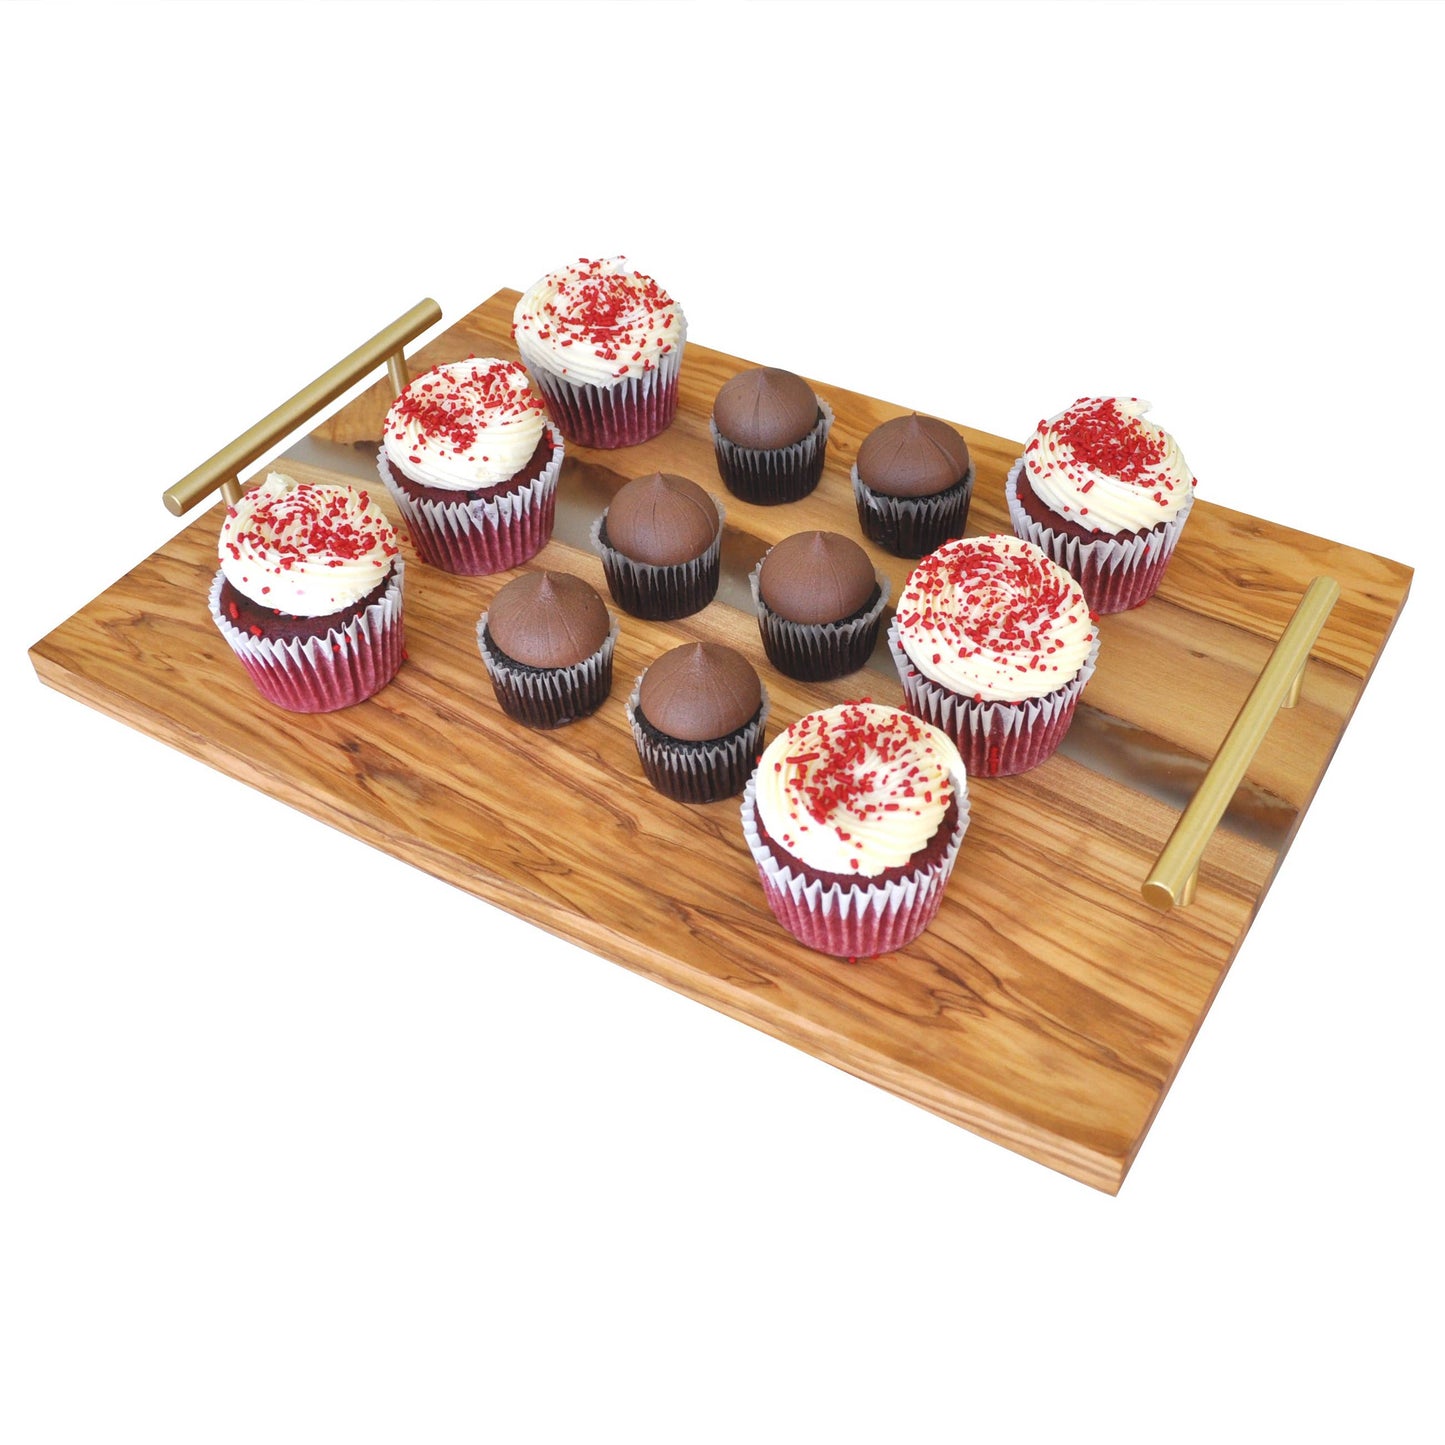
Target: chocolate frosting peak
{"x": 700, "y": 691}
{"x": 548, "y": 619}
{"x": 912, "y": 456}
{"x": 662, "y": 519}
{"x": 765, "y": 408}
{"x": 816, "y": 577}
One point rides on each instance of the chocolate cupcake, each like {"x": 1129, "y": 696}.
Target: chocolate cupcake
{"x": 770, "y": 435}
{"x": 547, "y": 642}
{"x": 660, "y": 542}
{"x": 819, "y": 602}
{"x": 912, "y": 481}
{"x": 309, "y": 595}
{"x": 1106, "y": 494}
{"x": 697, "y": 716}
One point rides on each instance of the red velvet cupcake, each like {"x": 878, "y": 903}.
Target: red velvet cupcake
{"x": 309, "y": 595}
{"x": 1106, "y": 494}
{"x": 993, "y": 643}
{"x": 468, "y": 457}
{"x": 854, "y": 818}
{"x": 604, "y": 344}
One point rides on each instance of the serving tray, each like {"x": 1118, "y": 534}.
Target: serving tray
{"x": 1047, "y": 1008}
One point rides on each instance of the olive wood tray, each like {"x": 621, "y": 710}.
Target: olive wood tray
{"x": 1047, "y": 1008}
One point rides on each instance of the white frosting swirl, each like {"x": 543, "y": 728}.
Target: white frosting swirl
{"x": 1100, "y": 464}
{"x": 858, "y": 788}
{"x": 466, "y": 425}
{"x": 994, "y": 619}
{"x": 305, "y": 549}
{"x": 597, "y": 323}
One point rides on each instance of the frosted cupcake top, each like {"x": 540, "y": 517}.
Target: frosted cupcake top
{"x": 465, "y": 425}
{"x": 994, "y": 619}
{"x": 858, "y": 788}
{"x": 306, "y": 550}
{"x": 1100, "y": 464}
{"x": 597, "y": 323}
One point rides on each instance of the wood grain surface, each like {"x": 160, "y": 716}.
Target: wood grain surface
{"x": 1048, "y": 1008}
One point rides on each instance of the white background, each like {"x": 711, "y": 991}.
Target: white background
{"x": 298, "y": 1144}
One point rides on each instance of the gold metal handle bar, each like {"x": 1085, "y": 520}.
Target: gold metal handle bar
{"x": 224, "y": 469}
{"x": 1176, "y": 871}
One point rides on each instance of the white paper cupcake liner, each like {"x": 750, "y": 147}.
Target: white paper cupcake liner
{"x": 661, "y": 593}
{"x": 912, "y": 526}
{"x": 994, "y": 739}
{"x": 631, "y": 410}
{"x": 861, "y": 920}
{"x": 1116, "y": 573}
{"x": 479, "y": 537}
{"x": 322, "y": 674}
{"x": 698, "y": 772}
{"x": 550, "y": 697}
{"x": 770, "y": 477}
{"x": 817, "y": 651}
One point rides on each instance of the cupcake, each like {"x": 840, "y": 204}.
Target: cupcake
{"x": 604, "y": 345}
{"x": 854, "y": 817}
{"x": 819, "y": 603}
{"x": 660, "y": 542}
{"x": 912, "y": 481}
{"x": 547, "y": 642}
{"x": 993, "y": 643}
{"x": 1106, "y": 494}
{"x": 309, "y": 593}
{"x": 697, "y": 716}
{"x": 469, "y": 458}
{"x": 770, "y": 436}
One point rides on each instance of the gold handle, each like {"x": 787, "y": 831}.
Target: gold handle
{"x": 224, "y": 469}
{"x": 1171, "y": 884}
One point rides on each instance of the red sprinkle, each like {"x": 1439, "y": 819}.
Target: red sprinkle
{"x": 451, "y": 405}
{"x": 1111, "y": 441}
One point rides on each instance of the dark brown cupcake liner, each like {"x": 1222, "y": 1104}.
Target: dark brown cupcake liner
{"x": 321, "y": 674}
{"x": 818, "y": 651}
{"x": 697, "y": 772}
{"x": 1116, "y": 573}
{"x": 630, "y": 411}
{"x": 661, "y": 593}
{"x": 480, "y": 537}
{"x": 770, "y": 477}
{"x": 912, "y": 526}
{"x": 548, "y": 697}
{"x": 994, "y": 739}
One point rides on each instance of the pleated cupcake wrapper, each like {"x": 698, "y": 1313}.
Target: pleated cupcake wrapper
{"x": 912, "y": 526}
{"x": 322, "y": 674}
{"x": 550, "y": 697}
{"x": 478, "y": 537}
{"x": 995, "y": 739}
{"x": 697, "y": 772}
{"x": 661, "y": 593}
{"x": 817, "y": 651}
{"x": 1116, "y": 573}
{"x": 770, "y": 477}
{"x": 629, "y": 411}
{"x": 860, "y": 920}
